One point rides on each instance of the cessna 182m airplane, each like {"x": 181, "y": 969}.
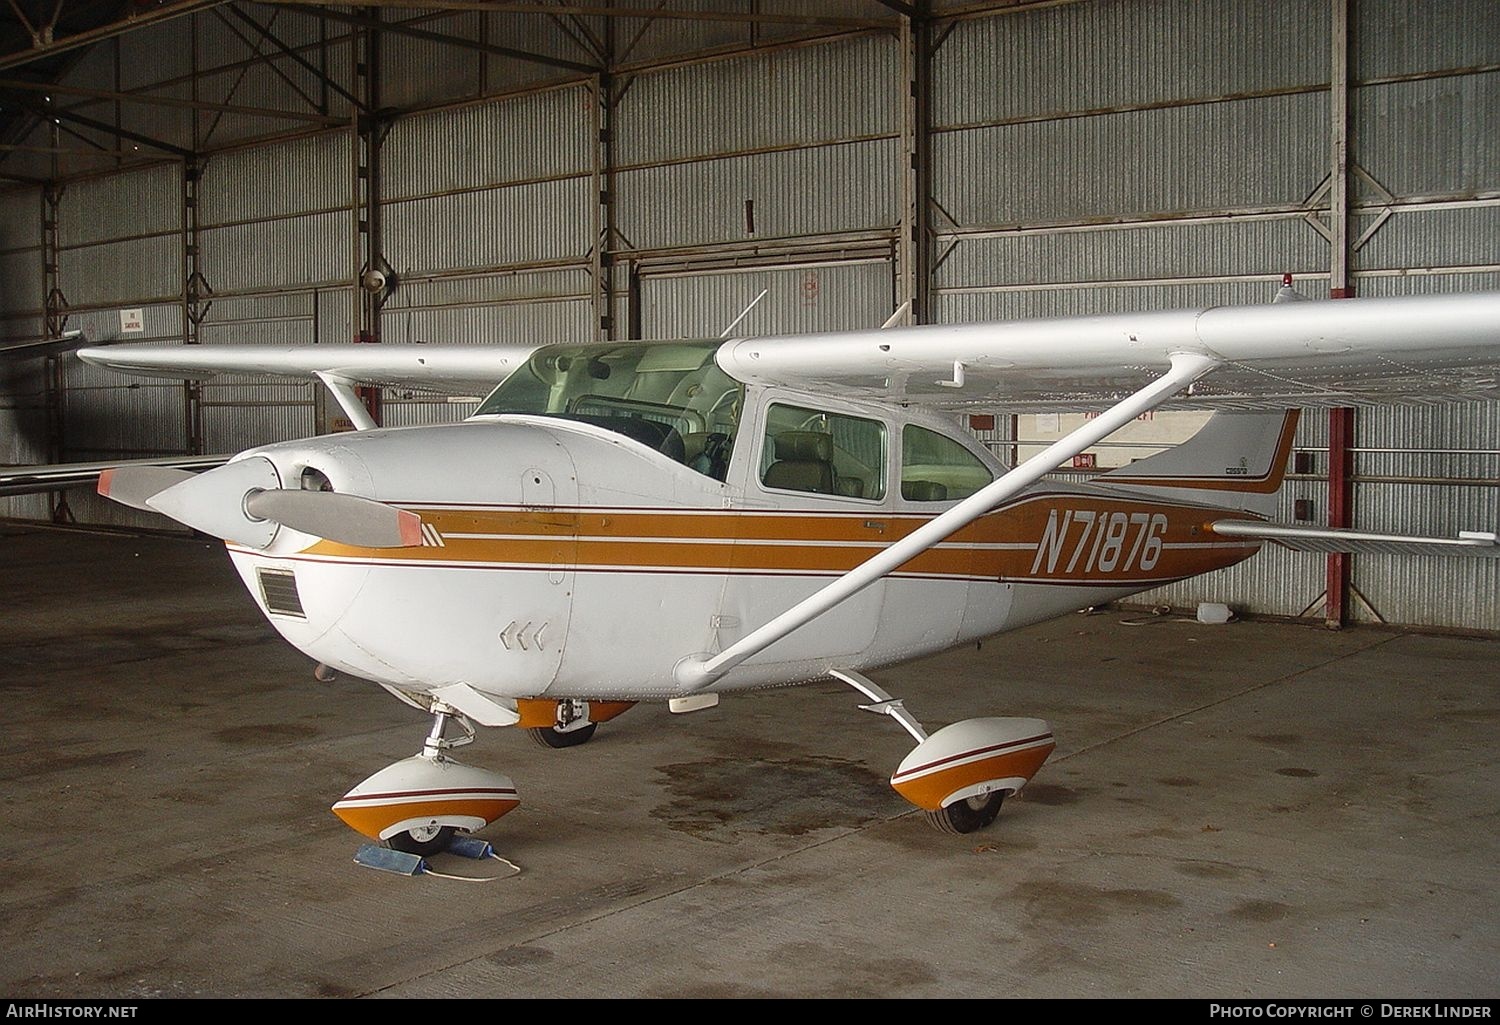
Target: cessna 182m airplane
{"x": 773, "y": 510}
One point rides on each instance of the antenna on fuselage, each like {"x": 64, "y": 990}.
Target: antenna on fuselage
{"x": 735, "y": 323}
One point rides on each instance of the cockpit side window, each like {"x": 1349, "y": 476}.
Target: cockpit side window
{"x": 823, "y": 453}
{"x": 935, "y": 468}
{"x": 670, "y": 397}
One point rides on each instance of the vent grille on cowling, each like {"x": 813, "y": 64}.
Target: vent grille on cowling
{"x": 279, "y": 588}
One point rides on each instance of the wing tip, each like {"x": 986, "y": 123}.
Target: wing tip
{"x": 106, "y": 481}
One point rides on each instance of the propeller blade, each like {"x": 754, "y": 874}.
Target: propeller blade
{"x": 347, "y": 519}
{"x": 135, "y": 485}
{"x": 214, "y": 502}
{"x": 243, "y": 501}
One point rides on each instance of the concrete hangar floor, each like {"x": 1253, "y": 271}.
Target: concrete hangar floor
{"x": 1250, "y": 810}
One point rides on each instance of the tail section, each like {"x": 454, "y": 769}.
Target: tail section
{"x": 1237, "y": 460}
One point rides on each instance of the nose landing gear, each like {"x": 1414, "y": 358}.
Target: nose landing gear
{"x": 417, "y": 804}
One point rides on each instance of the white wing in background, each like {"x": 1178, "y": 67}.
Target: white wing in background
{"x": 452, "y": 369}
{"x": 1345, "y": 352}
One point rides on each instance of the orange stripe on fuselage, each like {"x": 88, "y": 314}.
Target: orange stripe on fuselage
{"x": 1089, "y": 540}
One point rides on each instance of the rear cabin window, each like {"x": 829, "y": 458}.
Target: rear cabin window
{"x": 935, "y": 468}
{"x": 823, "y": 453}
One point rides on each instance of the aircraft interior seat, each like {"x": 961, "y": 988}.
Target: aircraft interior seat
{"x": 707, "y": 452}
{"x": 924, "y": 491}
{"x": 804, "y": 462}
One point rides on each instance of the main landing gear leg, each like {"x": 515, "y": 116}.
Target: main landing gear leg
{"x": 572, "y": 729}
{"x": 961, "y": 774}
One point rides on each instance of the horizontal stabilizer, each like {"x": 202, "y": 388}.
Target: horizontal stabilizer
{"x": 1480, "y": 544}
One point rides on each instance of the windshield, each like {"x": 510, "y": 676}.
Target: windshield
{"x": 670, "y": 397}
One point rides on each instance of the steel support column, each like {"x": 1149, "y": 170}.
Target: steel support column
{"x": 1340, "y": 421}
{"x": 1340, "y": 512}
{"x": 195, "y": 290}
{"x": 372, "y": 274}
{"x": 601, "y": 256}
{"x": 606, "y": 99}
{"x": 55, "y": 320}
{"x": 197, "y": 297}
{"x": 914, "y": 245}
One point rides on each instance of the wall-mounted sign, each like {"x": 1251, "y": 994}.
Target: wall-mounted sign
{"x": 132, "y": 321}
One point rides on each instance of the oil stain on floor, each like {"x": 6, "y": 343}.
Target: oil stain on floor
{"x": 716, "y": 798}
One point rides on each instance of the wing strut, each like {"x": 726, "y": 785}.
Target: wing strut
{"x": 695, "y": 672}
{"x": 343, "y": 392}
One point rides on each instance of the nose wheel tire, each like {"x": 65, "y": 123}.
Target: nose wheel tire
{"x": 548, "y": 736}
{"x": 968, "y": 815}
{"x": 423, "y": 840}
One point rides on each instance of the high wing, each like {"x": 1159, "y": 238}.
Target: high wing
{"x": 42, "y": 347}
{"x": 1345, "y": 352}
{"x": 1291, "y": 354}
{"x": 35, "y": 480}
{"x": 453, "y": 369}
{"x": 1273, "y": 356}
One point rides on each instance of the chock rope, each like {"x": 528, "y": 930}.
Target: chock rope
{"x": 515, "y": 870}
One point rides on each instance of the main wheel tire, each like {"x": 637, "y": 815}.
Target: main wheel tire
{"x": 423, "y": 840}
{"x": 968, "y": 815}
{"x": 548, "y": 736}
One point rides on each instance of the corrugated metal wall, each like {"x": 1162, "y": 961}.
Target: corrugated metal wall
{"x": 23, "y": 422}
{"x": 1076, "y": 176}
{"x": 739, "y": 151}
{"x": 1180, "y": 171}
{"x": 826, "y": 297}
{"x": 489, "y": 220}
{"x": 1428, "y": 193}
{"x": 272, "y": 258}
{"x": 1085, "y": 157}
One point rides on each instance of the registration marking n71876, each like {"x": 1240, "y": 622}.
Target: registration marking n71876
{"x": 1109, "y": 542}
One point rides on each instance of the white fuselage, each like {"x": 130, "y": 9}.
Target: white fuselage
{"x": 561, "y": 560}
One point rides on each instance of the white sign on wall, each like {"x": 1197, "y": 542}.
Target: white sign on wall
{"x": 132, "y": 321}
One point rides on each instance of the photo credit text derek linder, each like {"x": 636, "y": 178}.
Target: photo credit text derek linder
{"x": 1371, "y": 1009}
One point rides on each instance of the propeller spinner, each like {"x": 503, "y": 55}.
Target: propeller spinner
{"x": 243, "y": 501}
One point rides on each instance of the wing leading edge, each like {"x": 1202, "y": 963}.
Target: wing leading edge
{"x": 452, "y": 369}
{"x": 1274, "y": 356}
{"x": 36, "y": 480}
